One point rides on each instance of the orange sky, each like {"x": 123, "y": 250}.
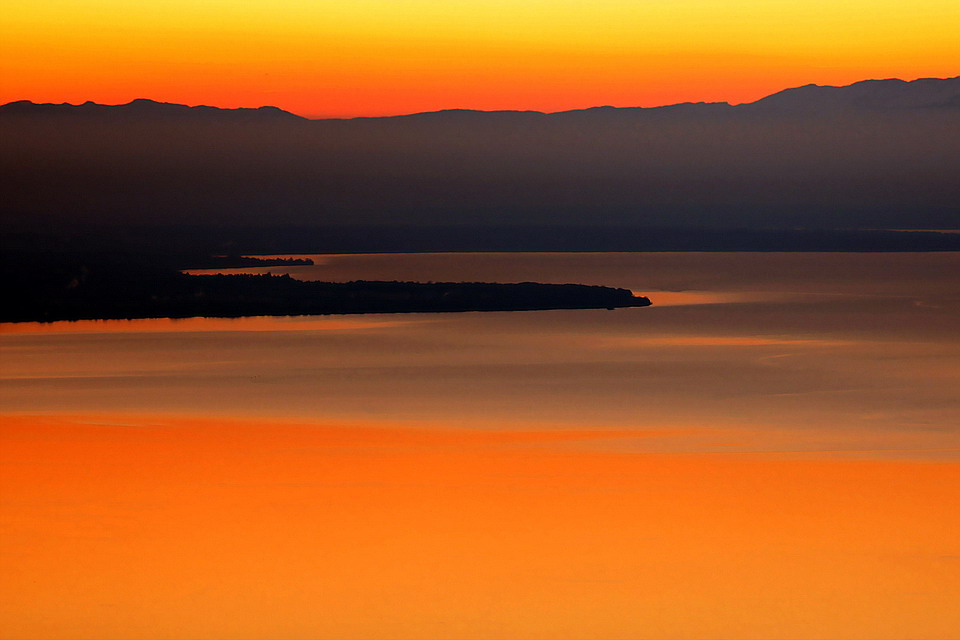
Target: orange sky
{"x": 380, "y": 57}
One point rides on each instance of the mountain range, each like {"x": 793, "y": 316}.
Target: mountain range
{"x": 868, "y": 94}
{"x": 874, "y": 154}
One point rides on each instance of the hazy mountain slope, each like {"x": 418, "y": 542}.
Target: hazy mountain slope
{"x": 874, "y": 154}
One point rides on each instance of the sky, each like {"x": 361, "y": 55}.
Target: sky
{"x": 383, "y": 57}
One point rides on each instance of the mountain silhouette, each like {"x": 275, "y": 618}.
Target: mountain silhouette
{"x": 875, "y": 154}
{"x": 142, "y": 108}
{"x": 926, "y": 93}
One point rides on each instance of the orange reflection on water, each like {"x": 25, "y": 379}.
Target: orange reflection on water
{"x": 723, "y": 341}
{"x": 167, "y": 325}
{"x": 126, "y": 526}
{"x": 682, "y": 298}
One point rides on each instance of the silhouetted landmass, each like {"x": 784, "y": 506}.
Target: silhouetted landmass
{"x": 238, "y": 262}
{"x": 874, "y": 155}
{"x": 77, "y": 286}
{"x": 190, "y": 246}
{"x": 186, "y": 296}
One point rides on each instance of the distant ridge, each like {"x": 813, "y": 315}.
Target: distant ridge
{"x": 145, "y": 108}
{"x": 888, "y": 93}
{"x": 878, "y": 154}
{"x": 868, "y": 94}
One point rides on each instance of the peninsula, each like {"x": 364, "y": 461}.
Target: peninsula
{"x": 53, "y": 291}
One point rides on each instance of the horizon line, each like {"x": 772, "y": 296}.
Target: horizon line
{"x": 469, "y": 109}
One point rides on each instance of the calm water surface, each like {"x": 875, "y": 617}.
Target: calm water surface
{"x": 770, "y": 451}
{"x": 804, "y": 351}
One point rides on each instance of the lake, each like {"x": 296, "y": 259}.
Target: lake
{"x": 772, "y": 450}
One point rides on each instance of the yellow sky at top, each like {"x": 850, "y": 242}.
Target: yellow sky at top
{"x": 392, "y": 56}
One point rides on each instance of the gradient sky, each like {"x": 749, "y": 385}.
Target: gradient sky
{"x": 381, "y": 57}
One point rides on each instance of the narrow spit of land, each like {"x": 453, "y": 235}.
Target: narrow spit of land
{"x": 104, "y": 289}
